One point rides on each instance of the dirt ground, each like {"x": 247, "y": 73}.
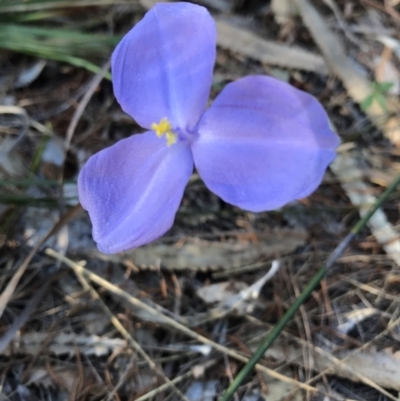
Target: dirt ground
{"x": 174, "y": 320}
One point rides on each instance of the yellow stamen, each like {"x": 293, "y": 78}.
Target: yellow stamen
{"x": 161, "y": 128}
{"x": 171, "y": 138}
{"x": 164, "y": 127}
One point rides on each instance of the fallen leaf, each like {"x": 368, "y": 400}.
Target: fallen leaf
{"x": 198, "y": 254}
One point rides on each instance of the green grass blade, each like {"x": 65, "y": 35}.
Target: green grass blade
{"x": 58, "y": 44}
{"x": 13, "y": 6}
{"x": 59, "y": 41}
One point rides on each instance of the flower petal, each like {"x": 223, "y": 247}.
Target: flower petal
{"x": 263, "y": 144}
{"x": 163, "y": 67}
{"x": 133, "y": 189}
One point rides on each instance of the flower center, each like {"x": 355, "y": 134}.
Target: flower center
{"x": 164, "y": 127}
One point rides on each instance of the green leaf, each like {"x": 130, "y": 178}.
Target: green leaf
{"x": 380, "y": 99}
{"x": 384, "y": 86}
{"x": 367, "y": 102}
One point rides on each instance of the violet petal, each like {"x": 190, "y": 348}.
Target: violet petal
{"x": 263, "y": 143}
{"x": 133, "y": 189}
{"x": 163, "y": 67}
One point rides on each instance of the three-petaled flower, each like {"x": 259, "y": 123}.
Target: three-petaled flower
{"x": 260, "y": 145}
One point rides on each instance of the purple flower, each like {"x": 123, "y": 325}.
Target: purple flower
{"x": 260, "y": 145}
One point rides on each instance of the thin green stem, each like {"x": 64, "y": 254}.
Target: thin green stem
{"x": 274, "y": 333}
{"x": 378, "y": 204}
